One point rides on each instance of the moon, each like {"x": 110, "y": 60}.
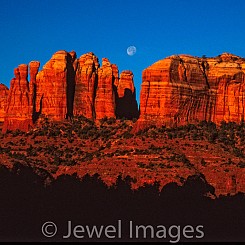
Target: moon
{"x": 131, "y": 50}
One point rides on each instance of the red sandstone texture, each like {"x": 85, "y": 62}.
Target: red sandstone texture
{"x": 19, "y": 109}
{"x": 86, "y": 77}
{"x": 52, "y": 86}
{"x": 182, "y": 89}
{"x": 105, "y": 104}
{"x": 3, "y": 101}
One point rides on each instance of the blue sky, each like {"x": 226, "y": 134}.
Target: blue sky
{"x": 35, "y": 29}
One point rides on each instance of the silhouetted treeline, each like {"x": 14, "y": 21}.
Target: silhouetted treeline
{"x": 30, "y": 197}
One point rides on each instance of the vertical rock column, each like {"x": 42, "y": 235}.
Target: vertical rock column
{"x": 4, "y": 91}
{"x": 105, "y": 95}
{"x": 19, "y": 108}
{"x": 85, "y": 85}
{"x": 52, "y": 86}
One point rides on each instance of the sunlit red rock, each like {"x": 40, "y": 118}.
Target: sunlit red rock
{"x": 54, "y": 83}
{"x": 67, "y": 87}
{"x": 178, "y": 90}
{"x": 4, "y": 91}
{"x": 85, "y": 85}
{"x": 226, "y": 77}
{"x": 105, "y": 104}
{"x": 184, "y": 89}
{"x": 115, "y": 74}
{"x": 19, "y": 108}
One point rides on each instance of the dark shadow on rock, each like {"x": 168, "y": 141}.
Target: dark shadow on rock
{"x": 127, "y": 107}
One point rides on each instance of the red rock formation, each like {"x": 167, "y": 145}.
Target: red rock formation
{"x": 115, "y": 74}
{"x": 105, "y": 95}
{"x": 126, "y": 104}
{"x": 125, "y": 82}
{"x": 86, "y": 80}
{"x": 226, "y": 77}
{"x": 96, "y": 88}
{"x": 19, "y": 109}
{"x": 4, "y": 91}
{"x": 68, "y": 86}
{"x": 33, "y": 70}
{"x": 54, "y": 83}
{"x": 185, "y": 89}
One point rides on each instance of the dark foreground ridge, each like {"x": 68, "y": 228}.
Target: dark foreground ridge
{"x": 30, "y": 197}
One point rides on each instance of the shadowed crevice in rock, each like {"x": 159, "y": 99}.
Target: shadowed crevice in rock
{"x": 33, "y": 71}
{"x": 70, "y": 90}
{"x": 94, "y": 96}
{"x": 35, "y": 114}
{"x": 127, "y": 106}
{"x": 204, "y": 67}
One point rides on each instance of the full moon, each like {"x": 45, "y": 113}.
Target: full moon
{"x": 131, "y": 50}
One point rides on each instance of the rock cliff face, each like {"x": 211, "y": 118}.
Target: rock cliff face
{"x": 19, "y": 109}
{"x": 54, "y": 82}
{"x": 86, "y": 82}
{"x": 66, "y": 87}
{"x": 105, "y": 104}
{"x": 184, "y": 89}
{"x": 3, "y": 101}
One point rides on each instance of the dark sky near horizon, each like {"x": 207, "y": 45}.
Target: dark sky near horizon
{"x": 35, "y": 29}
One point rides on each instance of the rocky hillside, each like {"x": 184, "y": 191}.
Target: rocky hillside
{"x": 108, "y": 148}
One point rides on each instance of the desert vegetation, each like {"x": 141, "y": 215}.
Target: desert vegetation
{"x": 109, "y": 148}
